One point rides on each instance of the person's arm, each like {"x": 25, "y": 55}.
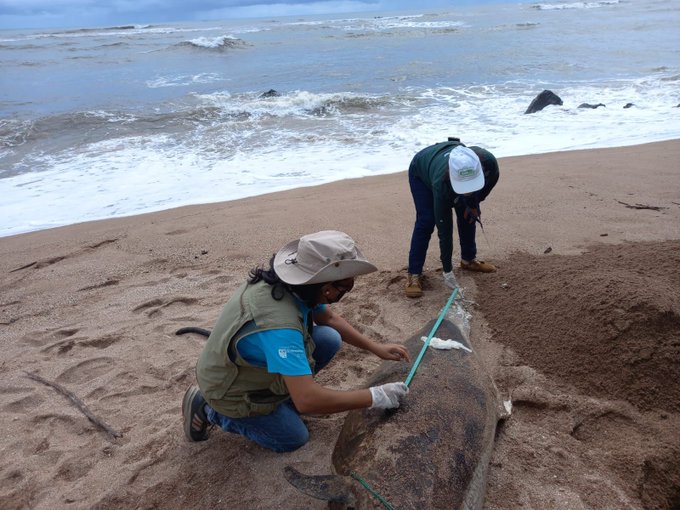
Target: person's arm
{"x": 310, "y": 397}
{"x": 349, "y": 334}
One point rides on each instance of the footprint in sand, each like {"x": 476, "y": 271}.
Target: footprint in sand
{"x": 86, "y": 370}
{"x": 54, "y": 421}
{"x": 389, "y": 278}
{"x": 155, "y": 306}
{"x": 39, "y": 338}
{"x": 65, "y": 346}
{"x": 148, "y": 450}
{"x": 42, "y": 446}
{"x": 368, "y": 313}
{"x": 73, "y": 469}
{"x": 23, "y": 404}
{"x": 39, "y": 264}
{"x": 101, "y": 342}
{"x": 124, "y": 396}
{"x": 107, "y": 283}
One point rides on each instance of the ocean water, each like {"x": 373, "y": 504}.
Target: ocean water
{"x": 114, "y": 121}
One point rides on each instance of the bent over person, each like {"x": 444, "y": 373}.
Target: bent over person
{"x": 444, "y": 177}
{"x": 256, "y": 373}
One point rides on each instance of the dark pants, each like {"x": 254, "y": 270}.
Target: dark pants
{"x": 424, "y": 226}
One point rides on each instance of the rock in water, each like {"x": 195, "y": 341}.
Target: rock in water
{"x": 542, "y": 100}
{"x": 270, "y": 93}
{"x": 591, "y": 106}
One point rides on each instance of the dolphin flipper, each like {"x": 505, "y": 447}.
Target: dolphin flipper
{"x": 332, "y": 488}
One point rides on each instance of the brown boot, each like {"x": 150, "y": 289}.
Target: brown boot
{"x": 478, "y": 265}
{"x": 414, "y": 286}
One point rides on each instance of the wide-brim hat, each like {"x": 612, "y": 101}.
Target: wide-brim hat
{"x": 465, "y": 170}
{"x": 325, "y": 256}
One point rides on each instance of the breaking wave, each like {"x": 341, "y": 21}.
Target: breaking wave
{"x": 574, "y": 5}
{"x": 223, "y": 42}
{"x": 296, "y": 103}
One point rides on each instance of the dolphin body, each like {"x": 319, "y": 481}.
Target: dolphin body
{"x": 432, "y": 452}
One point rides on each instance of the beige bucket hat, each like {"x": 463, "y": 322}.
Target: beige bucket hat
{"x": 325, "y": 256}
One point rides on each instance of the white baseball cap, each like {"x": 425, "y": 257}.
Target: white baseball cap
{"x": 465, "y": 170}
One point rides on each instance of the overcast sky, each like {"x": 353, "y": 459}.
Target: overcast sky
{"x": 105, "y": 13}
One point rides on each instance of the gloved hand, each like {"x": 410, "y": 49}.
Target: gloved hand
{"x": 388, "y": 395}
{"x": 450, "y": 280}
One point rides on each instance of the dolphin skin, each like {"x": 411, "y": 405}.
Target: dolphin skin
{"x": 432, "y": 452}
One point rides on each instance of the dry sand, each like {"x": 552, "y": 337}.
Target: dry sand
{"x": 580, "y": 327}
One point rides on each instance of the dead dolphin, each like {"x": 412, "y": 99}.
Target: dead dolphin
{"x": 432, "y": 452}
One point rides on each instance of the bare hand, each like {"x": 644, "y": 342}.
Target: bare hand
{"x": 394, "y": 352}
{"x": 471, "y": 215}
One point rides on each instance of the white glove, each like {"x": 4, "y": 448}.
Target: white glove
{"x": 450, "y": 280}
{"x": 388, "y": 395}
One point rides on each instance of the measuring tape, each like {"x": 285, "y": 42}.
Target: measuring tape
{"x": 429, "y": 337}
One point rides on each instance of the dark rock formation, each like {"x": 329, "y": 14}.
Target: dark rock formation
{"x": 542, "y": 100}
{"x": 270, "y": 93}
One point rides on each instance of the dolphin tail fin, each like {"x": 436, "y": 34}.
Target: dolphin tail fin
{"x": 333, "y": 488}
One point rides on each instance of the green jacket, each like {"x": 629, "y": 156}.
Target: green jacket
{"x": 431, "y": 166}
{"x": 232, "y": 386}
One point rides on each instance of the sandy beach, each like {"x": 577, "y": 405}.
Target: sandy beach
{"x": 580, "y": 329}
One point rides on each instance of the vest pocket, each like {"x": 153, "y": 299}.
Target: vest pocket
{"x": 263, "y": 402}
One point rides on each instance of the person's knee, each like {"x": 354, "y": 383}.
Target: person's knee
{"x": 425, "y": 227}
{"x": 293, "y": 442}
{"x": 326, "y": 338}
{"x": 425, "y": 221}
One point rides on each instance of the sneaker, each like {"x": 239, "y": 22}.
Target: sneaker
{"x": 478, "y": 265}
{"x": 414, "y": 285}
{"x": 193, "y": 410}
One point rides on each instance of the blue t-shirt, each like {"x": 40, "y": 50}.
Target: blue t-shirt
{"x": 280, "y": 351}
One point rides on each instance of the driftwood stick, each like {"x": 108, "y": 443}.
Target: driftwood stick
{"x": 642, "y": 206}
{"x": 77, "y": 402}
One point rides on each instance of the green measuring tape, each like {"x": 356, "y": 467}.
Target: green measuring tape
{"x": 370, "y": 489}
{"x": 429, "y": 337}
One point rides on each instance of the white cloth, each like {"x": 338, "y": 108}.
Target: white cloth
{"x": 438, "y": 343}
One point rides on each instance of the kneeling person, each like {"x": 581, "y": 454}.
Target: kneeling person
{"x": 255, "y": 374}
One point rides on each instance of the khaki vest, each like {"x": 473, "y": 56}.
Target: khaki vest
{"x": 232, "y": 386}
